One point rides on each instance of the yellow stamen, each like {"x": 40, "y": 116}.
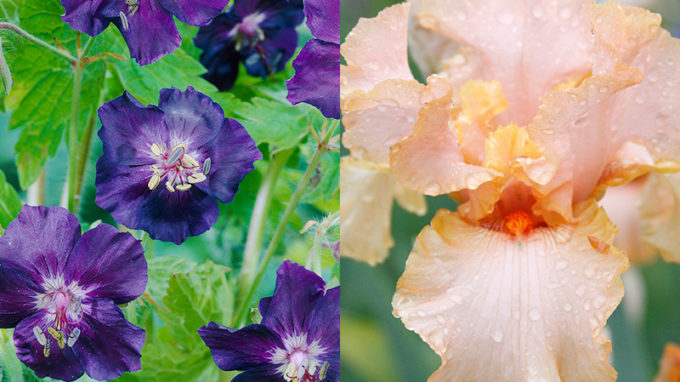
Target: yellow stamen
{"x": 46, "y": 349}
{"x": 156, "y": 150}
{"x": 197, "y": 178}
{"x": 291, "y": 373}
{"x": 57, "y": 336}
{"x": 153, "y": 182}
{"x": 183, "y": 187}
{"x": 168, "y": 185}
{"x": 188, "y": 161}
{"x": 519, "y": 223}
{"x": 324, "y": 370}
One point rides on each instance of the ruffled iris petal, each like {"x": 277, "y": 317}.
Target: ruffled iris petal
{"x": 61, "y": 364}
{"x": 40, "y": 240}
{"x": 248, "y": 347}
{"x": 194, "y": 12}
{"x": 317, "y": 77}
{"x": 118, "y": 272}
{"x": 108, "y": 345}
{"x": 539, "y": 301}
{"x": 151, "y": 32}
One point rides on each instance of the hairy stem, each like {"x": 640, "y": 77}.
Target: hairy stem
{"x": 280, "y": 229}
{"x": 263, "y": 201}
{"x": 61, "y": 53}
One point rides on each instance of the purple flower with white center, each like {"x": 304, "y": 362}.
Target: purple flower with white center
{"x": 164, "y": 167}
{"x": 60, "y": 291}
{"x": 146, "y": 25}
{"x": 317, "y": 66}
{"x": 298, "y": 339}
{"x": 259, "y": 33}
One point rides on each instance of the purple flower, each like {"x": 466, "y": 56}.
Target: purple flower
{"x": 298, "y": 339}
{"x": 146, "y": 25}
{"x": 60, "y": 290}
{"x": 317, "y": 67}
{"x": 164, "y": 167}
{"x": 260, "y": 33}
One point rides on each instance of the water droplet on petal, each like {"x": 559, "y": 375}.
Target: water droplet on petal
{"x": 565, "y": 13}
{"x": 498, "y": 335}
{"x": 566, "y": 307}
{"x": 535, "y": 315}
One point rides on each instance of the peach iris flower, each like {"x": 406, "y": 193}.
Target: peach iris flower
{"x": 530, "y": 111}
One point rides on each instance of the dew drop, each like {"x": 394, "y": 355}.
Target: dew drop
{"x": 505, "y": 18}
{"x": 433, "y": 188}
{"x": 580, "y": 290}
{"x": 535, "y": 315}
{"x": 639, "y": 98}
{"x": 589, "y": 272}
{"x": 561, "y": 265}
{"x": 598, "y": 302}
{"x": 566, "y": 307}
{"x": 537, "y": 12}
{"x": 498, "y": 335}
{"x": 457, "y": 300}
{"x": 565, "y": 13}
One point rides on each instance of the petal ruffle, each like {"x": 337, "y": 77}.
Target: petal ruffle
{"x": 108, "y": 345}
{"x": 61, "y": 364}
{"x": 434, "y": 146}
{"x": 660, "y": 214}
{"x": 109, "y": 264}
{"x": 511, "y": 44}
{"x": 376, "y": 51}
{"x": 194, "y": 12}
{"x": 539, "y": 301}
{"x": 246, "y": 348}
{"x": 317, "y": 77}
{"x": 39, "y": 241}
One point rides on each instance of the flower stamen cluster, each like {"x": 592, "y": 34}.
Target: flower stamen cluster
{"x": 64, "y": 309}
{"x": 180, "y": 168}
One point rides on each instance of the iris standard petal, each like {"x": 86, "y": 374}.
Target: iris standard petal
{"x": 500, "y": 307}
{"x": 108, "y": 264}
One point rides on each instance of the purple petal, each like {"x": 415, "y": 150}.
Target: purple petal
{"x": 192, "y": 116}
{"x": 108, "y": 345}
{"x": 323, "y": 19}
{"x": 267, "y": 373}
{"x": 277, "y": 48}
{"x": 108, "y": 264}
{"x": 151, "y": 32}
{"x": 219, "y": 55}
{"x": 194, "y": 12}
{"x": 18, "y": 291}
{"x": 246, "y": 348}
{"x": 317, "y": 77}
{"x": 232, "y": 155}
{"x": 263, "y": 306}
{"x": 40, "y": 240}
{"x": 85, "y": 15}
{"x": 291, "y": 309}
{"x": 324, "y": 323}
{"x": 61, "y": 364}
{"x": 129, "y": 129}
{"x": 121, "y": 190}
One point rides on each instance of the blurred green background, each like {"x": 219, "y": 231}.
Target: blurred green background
{"x": 375, "y": 346}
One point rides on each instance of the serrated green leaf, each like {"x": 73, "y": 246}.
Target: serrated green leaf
{"x": 10, "y": 203}
{"x": 193, "y": 299}
{"x": 161, "y": 269}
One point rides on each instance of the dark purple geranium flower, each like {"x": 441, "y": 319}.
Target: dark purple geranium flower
{"x": 317, "y": 67}
{"x": 146, "y": 25}
{"x": 298, "y": 339}
{"x": 164, "y": 167}
{"x": 261, "y": 33}
{"x": 60, "y": 290}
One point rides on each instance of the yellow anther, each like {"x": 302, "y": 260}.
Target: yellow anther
{"x": 168, "y": 185}
{"x": 155, "y": 169}
{"x": 153, "y": 182}
{"x": 291, "y": 373}
{"x": 156, "y": 150}
{"x": 57, "y": 336}
{"x": 188, "y": 161}
{"x": 197, "y": 178}
{"x": 324, "y": 371}
{"x": 183, "y": 187}
{"x": 46, "y": 349}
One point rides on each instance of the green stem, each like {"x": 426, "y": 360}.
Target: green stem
{"x": 263, "y": 201}
{"x": 73, "y": 138}
{"x": 88, "y": 46}
{"x": 280, "y": 229}
{"x": 37, "y": 41}
{"x": 35, "y": 196}
{"x": 83, "y": 152}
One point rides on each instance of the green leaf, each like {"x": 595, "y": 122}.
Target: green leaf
{"x": 10, "y": 203}
{"x": 193, "y": 299}
{"x": 161, "y": 269}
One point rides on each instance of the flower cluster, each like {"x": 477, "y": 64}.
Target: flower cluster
{"x": 164, "y": 167}
{"x": 317, "y": 66}
{"x": 60, "y": 289}
{"x": 147, "y": 25}
{"x": 259, "y": 33}
{"x": 529, "y": 113}
{"x": 298, "y": 339}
